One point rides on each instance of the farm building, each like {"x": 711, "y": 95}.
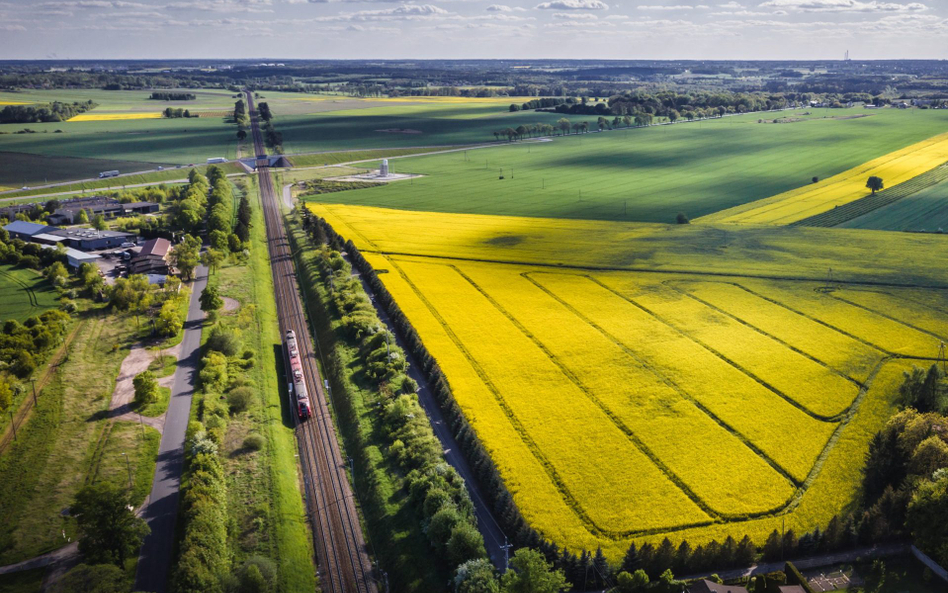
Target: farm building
{"x": 90, "y": 239}
{"x": 25, "y": 231}
{"x": 76, "y": 258}
{"x": 152, "y": 259}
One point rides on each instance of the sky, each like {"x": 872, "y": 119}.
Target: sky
{"x": 458, "y": 29}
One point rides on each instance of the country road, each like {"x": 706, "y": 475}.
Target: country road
{"x": 154, "y": 562}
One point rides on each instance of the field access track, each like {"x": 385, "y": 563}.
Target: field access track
{"x": 344, "y": 565}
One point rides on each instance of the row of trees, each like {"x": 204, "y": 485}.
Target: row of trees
{"x": 47, "y": 112}
{"x": 172, "y": 96}
{"x": 172, "y": 113}
{"x": 437, "y": 492}
{"x": 273, "y": 138}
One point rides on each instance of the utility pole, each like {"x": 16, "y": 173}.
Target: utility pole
{"x": 129, "y": 465}
{"x": 33, "y": 381}
{"x": 506, "y": 548}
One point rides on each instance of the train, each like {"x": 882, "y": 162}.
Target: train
{"x": 298, "y": 391}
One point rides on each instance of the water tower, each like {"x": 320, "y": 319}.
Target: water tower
{"x": 383, "y": 170}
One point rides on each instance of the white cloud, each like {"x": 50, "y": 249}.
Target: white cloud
{"x": 671, "y": 7}
{"x": 504, "y": 8}
{"x": 731, "y": 5}
{"x": 582, "y": 16}
{"x": 573, "y": 5}
{"x": 844, "y": 6}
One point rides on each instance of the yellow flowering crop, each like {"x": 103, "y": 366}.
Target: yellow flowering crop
{"x": 113, "y": 116}
{"x": 894, "y": 168}
{"x": 628, "y": 397}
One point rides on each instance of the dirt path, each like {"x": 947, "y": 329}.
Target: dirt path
{"x": 22, "y": 414}
{"x": 138, "y": 361}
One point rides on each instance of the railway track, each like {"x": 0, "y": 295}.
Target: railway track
{"x": 344, "y": 564}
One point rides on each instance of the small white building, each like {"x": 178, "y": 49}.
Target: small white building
{"x": 383, "y": 170}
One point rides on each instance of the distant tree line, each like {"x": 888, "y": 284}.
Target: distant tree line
{"x": 47, "y": 112}
{"x": 171, "y": 96}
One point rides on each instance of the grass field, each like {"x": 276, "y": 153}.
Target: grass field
{"x": 120, "y": 101}
{"x": 926, "y": 210}
{"x": 648, "y": 174}
{"x": 24, "y": 293}
{"x": 895, "y": 168}
{"x": 780, "y": 377}
{"x": 69, "y": 441}
{"x": 156, "y": 141}
{"x": 21, "y": 169}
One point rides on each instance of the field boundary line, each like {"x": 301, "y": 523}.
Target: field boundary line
{"x": 571, "y": 501}
{"x": 667, "y": 380}
{"x": 749, "y": 325}
{"x": 750, "y": 375}
{"x": 616, "y": 421}
{"x": 595, "y": 268}
{"x": 886, "y": 316}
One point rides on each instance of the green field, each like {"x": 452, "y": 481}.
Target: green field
{"x": 172, "y": 175}
{"x": 122, "y": 101}
{"x": 20, "y": 169}
{"x": 926, "y": 210}
{"x": 24, "y": 293}
{"x": 152, "y": 141}
{"x": 648, "y": 174}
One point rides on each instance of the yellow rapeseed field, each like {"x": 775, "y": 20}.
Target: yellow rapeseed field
{"x": 628, "y": 395}
{"x": 2, "y": 103}
{"x": 113, "y": 116}
{"x": 894, "y": 168}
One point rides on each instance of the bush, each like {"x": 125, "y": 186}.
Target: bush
{"x": 224, "y": 340}
{"x": 239, "y": 399}
{"x": 254, "y": 442}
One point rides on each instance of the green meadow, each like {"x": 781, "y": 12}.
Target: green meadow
{"x": 926, "y": 210}
{"x": 24, "y": 293}
{"x": 648, "y": 174}
{"x": 122, "y": 101}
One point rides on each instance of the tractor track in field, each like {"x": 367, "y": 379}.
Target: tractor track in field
{"x": 842, "y": 419}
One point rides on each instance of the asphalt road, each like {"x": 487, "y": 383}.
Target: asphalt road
{"x": 154, "y": 560}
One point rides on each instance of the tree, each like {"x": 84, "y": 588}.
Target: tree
{"x": 632, "y": 583}
{"x": 211, "y": 300}
{"x": 476, "y": 576}
{"x": 6, "y": 396}
{"x": 99, "y": 578}
{"x": 465, "y": 544}
{"x": 241, "y": 134}
{"x": 56, "y": 273}
{"x": 109, "y": 531}
{"x": 169, "y": 321}
{"x": 212, "y": 258}
{"x": 83, "y": 217}
{"x": 531, "y": 574}
{"x": 682, "y": 218}
{"x": 146, "y": 388}
{"x": 815, "y": 179}
{"x": 875, "y": 184}
{"x": 185, "y": 258}
{"x": 98, "y": 222}
{"x": 564, "y": 125}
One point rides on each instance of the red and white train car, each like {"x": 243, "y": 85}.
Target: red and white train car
{"x": 297, "y": 381}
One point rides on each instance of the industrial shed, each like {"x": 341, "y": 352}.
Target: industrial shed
{"x": 91, "y": 239}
